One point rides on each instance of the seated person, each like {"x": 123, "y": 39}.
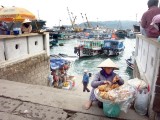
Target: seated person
{"x": 147, "y": 29}
{"x": 105, "y": 76}
{"x": 26, "y": 26}
{"x": 55, "y": 78}
{"x": 156, "y": 22}
{"x": 62, "y": 76}
{"x": 3, "y": 28}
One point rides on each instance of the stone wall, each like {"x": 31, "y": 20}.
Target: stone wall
{"x": 156, "y": 103}
{"x": 31, "y": 70}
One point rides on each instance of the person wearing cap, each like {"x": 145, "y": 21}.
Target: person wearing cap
{"x": 105, "y": 76}
{"x": 26, "y": 26}
{"x": 85, "y": 81}
{"x": 156, "y": 22}
{"x": 147, "y": 29}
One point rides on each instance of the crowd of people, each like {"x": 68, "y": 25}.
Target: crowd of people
{"x": 58, "y": 77}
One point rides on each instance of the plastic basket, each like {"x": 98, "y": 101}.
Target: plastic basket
{"x": 111, "y": 109}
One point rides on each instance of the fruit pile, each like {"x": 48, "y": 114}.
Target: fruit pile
{"x": 65, "y": 84}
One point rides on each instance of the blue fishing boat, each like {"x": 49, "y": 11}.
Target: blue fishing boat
{"x": 53, "y": 42}
{"x": 121, "y": 34}
{"x": 113, "y": 47}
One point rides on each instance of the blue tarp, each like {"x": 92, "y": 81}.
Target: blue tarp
{"x": 56, "y": 63}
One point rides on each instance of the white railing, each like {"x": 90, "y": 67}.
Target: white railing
{"x": 147, "y": 64}
{"x": 147, "y": 57}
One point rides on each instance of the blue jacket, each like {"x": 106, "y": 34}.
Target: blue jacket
{"x": 86, "y": 78}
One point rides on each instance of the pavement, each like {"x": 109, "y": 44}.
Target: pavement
{"x": 19, "y": 101}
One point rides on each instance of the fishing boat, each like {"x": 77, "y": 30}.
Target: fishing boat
{"x": 136, "y": 28}
{"x": 89, "y": 47}
{"x": 121, "y": 34}
{"x": 37, "y": 25}
{"x": 130, "y": 61}
{"x": 113, "y": 47}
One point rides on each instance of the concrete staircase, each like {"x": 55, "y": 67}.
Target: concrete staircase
{"x": 68, "y": 101}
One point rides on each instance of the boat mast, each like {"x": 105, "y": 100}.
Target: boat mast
{"x": 70, "y": 18}
{"x": 88, "y": 22}
{"x": 83, "y": 20}
{"x": 38, "y": 15}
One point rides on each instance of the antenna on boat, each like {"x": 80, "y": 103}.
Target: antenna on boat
{"x": 83, "y": 20}
{"x": 38, "y": 15}
{"x": 70, "y": 18}
{"x": 88, "y": 22}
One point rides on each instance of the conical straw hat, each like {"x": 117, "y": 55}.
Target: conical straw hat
{"x": 108, "y": 63}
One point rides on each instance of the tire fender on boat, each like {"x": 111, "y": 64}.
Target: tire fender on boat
{"x": 75, "y": 50}
{"x": 90, "y": 52}
{"x": 84, "y": 51}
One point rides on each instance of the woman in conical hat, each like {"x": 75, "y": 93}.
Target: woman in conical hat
{"x": 105, "y": 76}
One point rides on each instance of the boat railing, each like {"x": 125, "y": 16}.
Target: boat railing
{"x": 90, "y": 44}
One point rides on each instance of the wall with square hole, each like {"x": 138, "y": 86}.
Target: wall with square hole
{"x": 35, "y": 44}
{"x": 15, "y": 48}
{"x": 2, "y": 58}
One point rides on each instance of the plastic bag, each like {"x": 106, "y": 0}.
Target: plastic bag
{"x": 123, "y": 93}
{"x": 50, "y": 80}
{"x": 141, "y": 102}
{"x": 123, "y": 96}
{"x": 126, "y": 105}
{"x": 137, "y": 83}
{"x": 111, "y": 110}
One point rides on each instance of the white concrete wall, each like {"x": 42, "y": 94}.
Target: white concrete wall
{"x": 14, "y": 47}
{"x": 2, "y": 58}
{"x": 151, "y": 63}
{"x": 11, "y": 51}
{"x": 148, "y": 62}
{"x": 139, "y": 53}
{"x": 144, "y": 55}
{"x": 46, "y": 44}
{"x": 33, "y": 47}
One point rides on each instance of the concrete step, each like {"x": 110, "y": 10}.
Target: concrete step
{"x": 72, "y": 100}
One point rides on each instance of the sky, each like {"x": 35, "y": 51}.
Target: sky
{"x": 96, "y": 10}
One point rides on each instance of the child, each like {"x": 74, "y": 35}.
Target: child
{"x": 85, "y": 81}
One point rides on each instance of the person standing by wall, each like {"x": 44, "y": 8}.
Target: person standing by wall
{"x": 26, "y": 26}
{"x": 85, "y": 81}
{"x": 3, "y": 28}
{"x": 147, "y": 29}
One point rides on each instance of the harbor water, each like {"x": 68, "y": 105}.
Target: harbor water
{"x": 91, "y": 63}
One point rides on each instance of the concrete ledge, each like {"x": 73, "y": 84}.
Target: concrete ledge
{"x": 66, "y": 100}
